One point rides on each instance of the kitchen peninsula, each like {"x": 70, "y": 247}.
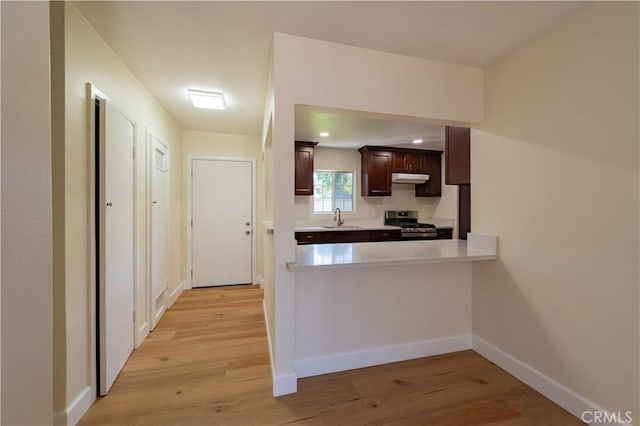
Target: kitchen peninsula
{"x": 363, "y": 304}
{"x": 353, "y": 255}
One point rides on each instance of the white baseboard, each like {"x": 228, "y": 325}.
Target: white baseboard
{"x": 282, "y": 384}
{"x": 74, "y": 411}
{"x": 175, "y": 294}
{"x": 566, "y": 398}
{"x": 143, "y": 332}
{"x": 306, "y": 367}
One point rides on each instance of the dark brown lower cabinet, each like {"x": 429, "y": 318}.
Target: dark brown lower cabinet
{"x": 310, "y": 237}
{"x": 445, "y": 233}
{"x": 327, "y": 237}
{"x": 384, "y": 235}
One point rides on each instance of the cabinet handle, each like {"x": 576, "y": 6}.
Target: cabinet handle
{"x": 309, "y": 236}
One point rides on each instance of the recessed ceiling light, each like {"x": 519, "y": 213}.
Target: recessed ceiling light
{"x": 324, "y": 134}
{"x": 417, "y": 141}
{"x": 208, "y": 100}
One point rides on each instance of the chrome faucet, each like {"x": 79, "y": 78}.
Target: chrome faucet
{"x": 337, "y": 217}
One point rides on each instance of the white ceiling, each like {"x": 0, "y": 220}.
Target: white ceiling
{"x": 225, "y": 46}
{"x": 350, "y": 129}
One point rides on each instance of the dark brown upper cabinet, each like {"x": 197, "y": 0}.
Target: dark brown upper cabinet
{"x": 433, "y": 167}
{"x": 304, "y": 167}
{"x": 376, "y": 171}
{"x": 408, "y": 162}
{"x": 457, "y": 149}
{"x": 379, "y": 162}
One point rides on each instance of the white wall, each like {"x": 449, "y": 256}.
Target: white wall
{"x": 314, "y": 72}
{"x": 267, "y": 208}
{"x": 555, "y": 176}
{"x": 0, "y": 221}
{"x": 89, "y": 59}
{"x": 226, "y": 145}
{"x": 27, "y": 341}
{"x": 371, "y": 209}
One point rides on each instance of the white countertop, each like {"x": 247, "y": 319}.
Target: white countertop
{"x": 315, "y": 257}
{"x": 346, "y": 228}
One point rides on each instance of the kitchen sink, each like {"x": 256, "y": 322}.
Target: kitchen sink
{"x": 341, "y": 227}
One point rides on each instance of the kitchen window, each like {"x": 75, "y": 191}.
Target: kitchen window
{"x": 332, "y": 189}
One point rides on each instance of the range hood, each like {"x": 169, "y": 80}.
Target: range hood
{"x": 408, "y": 178}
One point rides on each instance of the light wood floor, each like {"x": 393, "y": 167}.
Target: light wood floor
{"x": 207, "y": 363}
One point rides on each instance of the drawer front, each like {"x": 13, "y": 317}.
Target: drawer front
{"x": 310, "y": 237}
{"x": 390, "y": 235}
{"x": 348, "y": 237}
{"x": 445, "y": 234}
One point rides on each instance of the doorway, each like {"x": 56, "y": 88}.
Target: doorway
{"x": 158, "y": 161}
{"x": 221, "y": 221}
{"x": 113, "y": 137}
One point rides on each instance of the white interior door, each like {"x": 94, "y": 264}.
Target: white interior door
{"x": 116, "y": 247}
{"x": 159, "y": 229}
{"x": 221, "y": 212}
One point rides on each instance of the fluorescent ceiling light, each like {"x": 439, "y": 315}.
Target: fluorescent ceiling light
{"x": 208, "y": 100}
{"x": 417, "y": 141}
{"x": 324, "y": 134}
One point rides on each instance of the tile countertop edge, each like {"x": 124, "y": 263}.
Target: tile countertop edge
{"x": 479, "y": 248}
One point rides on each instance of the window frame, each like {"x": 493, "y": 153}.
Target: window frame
{"x": 333, "y": 198}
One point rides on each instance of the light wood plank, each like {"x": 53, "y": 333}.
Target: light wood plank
{"x": 207, "y": 362}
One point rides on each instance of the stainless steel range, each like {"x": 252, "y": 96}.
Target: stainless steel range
{"x": 407, "y": 220}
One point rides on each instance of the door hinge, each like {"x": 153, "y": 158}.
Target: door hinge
{"x": 134, "y": 315}
{"x": 134, "y": 152}
{"x": 192, "y": 273}
{"x": 191, "y": 173}
{"x": 192, "y": 223}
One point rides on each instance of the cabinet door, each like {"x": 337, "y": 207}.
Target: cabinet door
{"x": 457, "y": 148}
{"x": 413, "y": 163}
{"x": 376, "y": 173}
{"x": 304, "y": 170}
{"x": 398, "y": 163}
{"x": 433, "y": 167}
{"x": 347, "y": 237}
{"x": 386, "y": 235}
{"x": 310, "y": 237}
{"x": 407, "y": 162}
{"x": 444, "y": 233}
{"x": 464, "y": 211}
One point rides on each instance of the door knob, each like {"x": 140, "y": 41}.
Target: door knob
{"x": 247, "y": 232}
{"x": 109, "y": 204}
{"x": 247, "y": 223}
